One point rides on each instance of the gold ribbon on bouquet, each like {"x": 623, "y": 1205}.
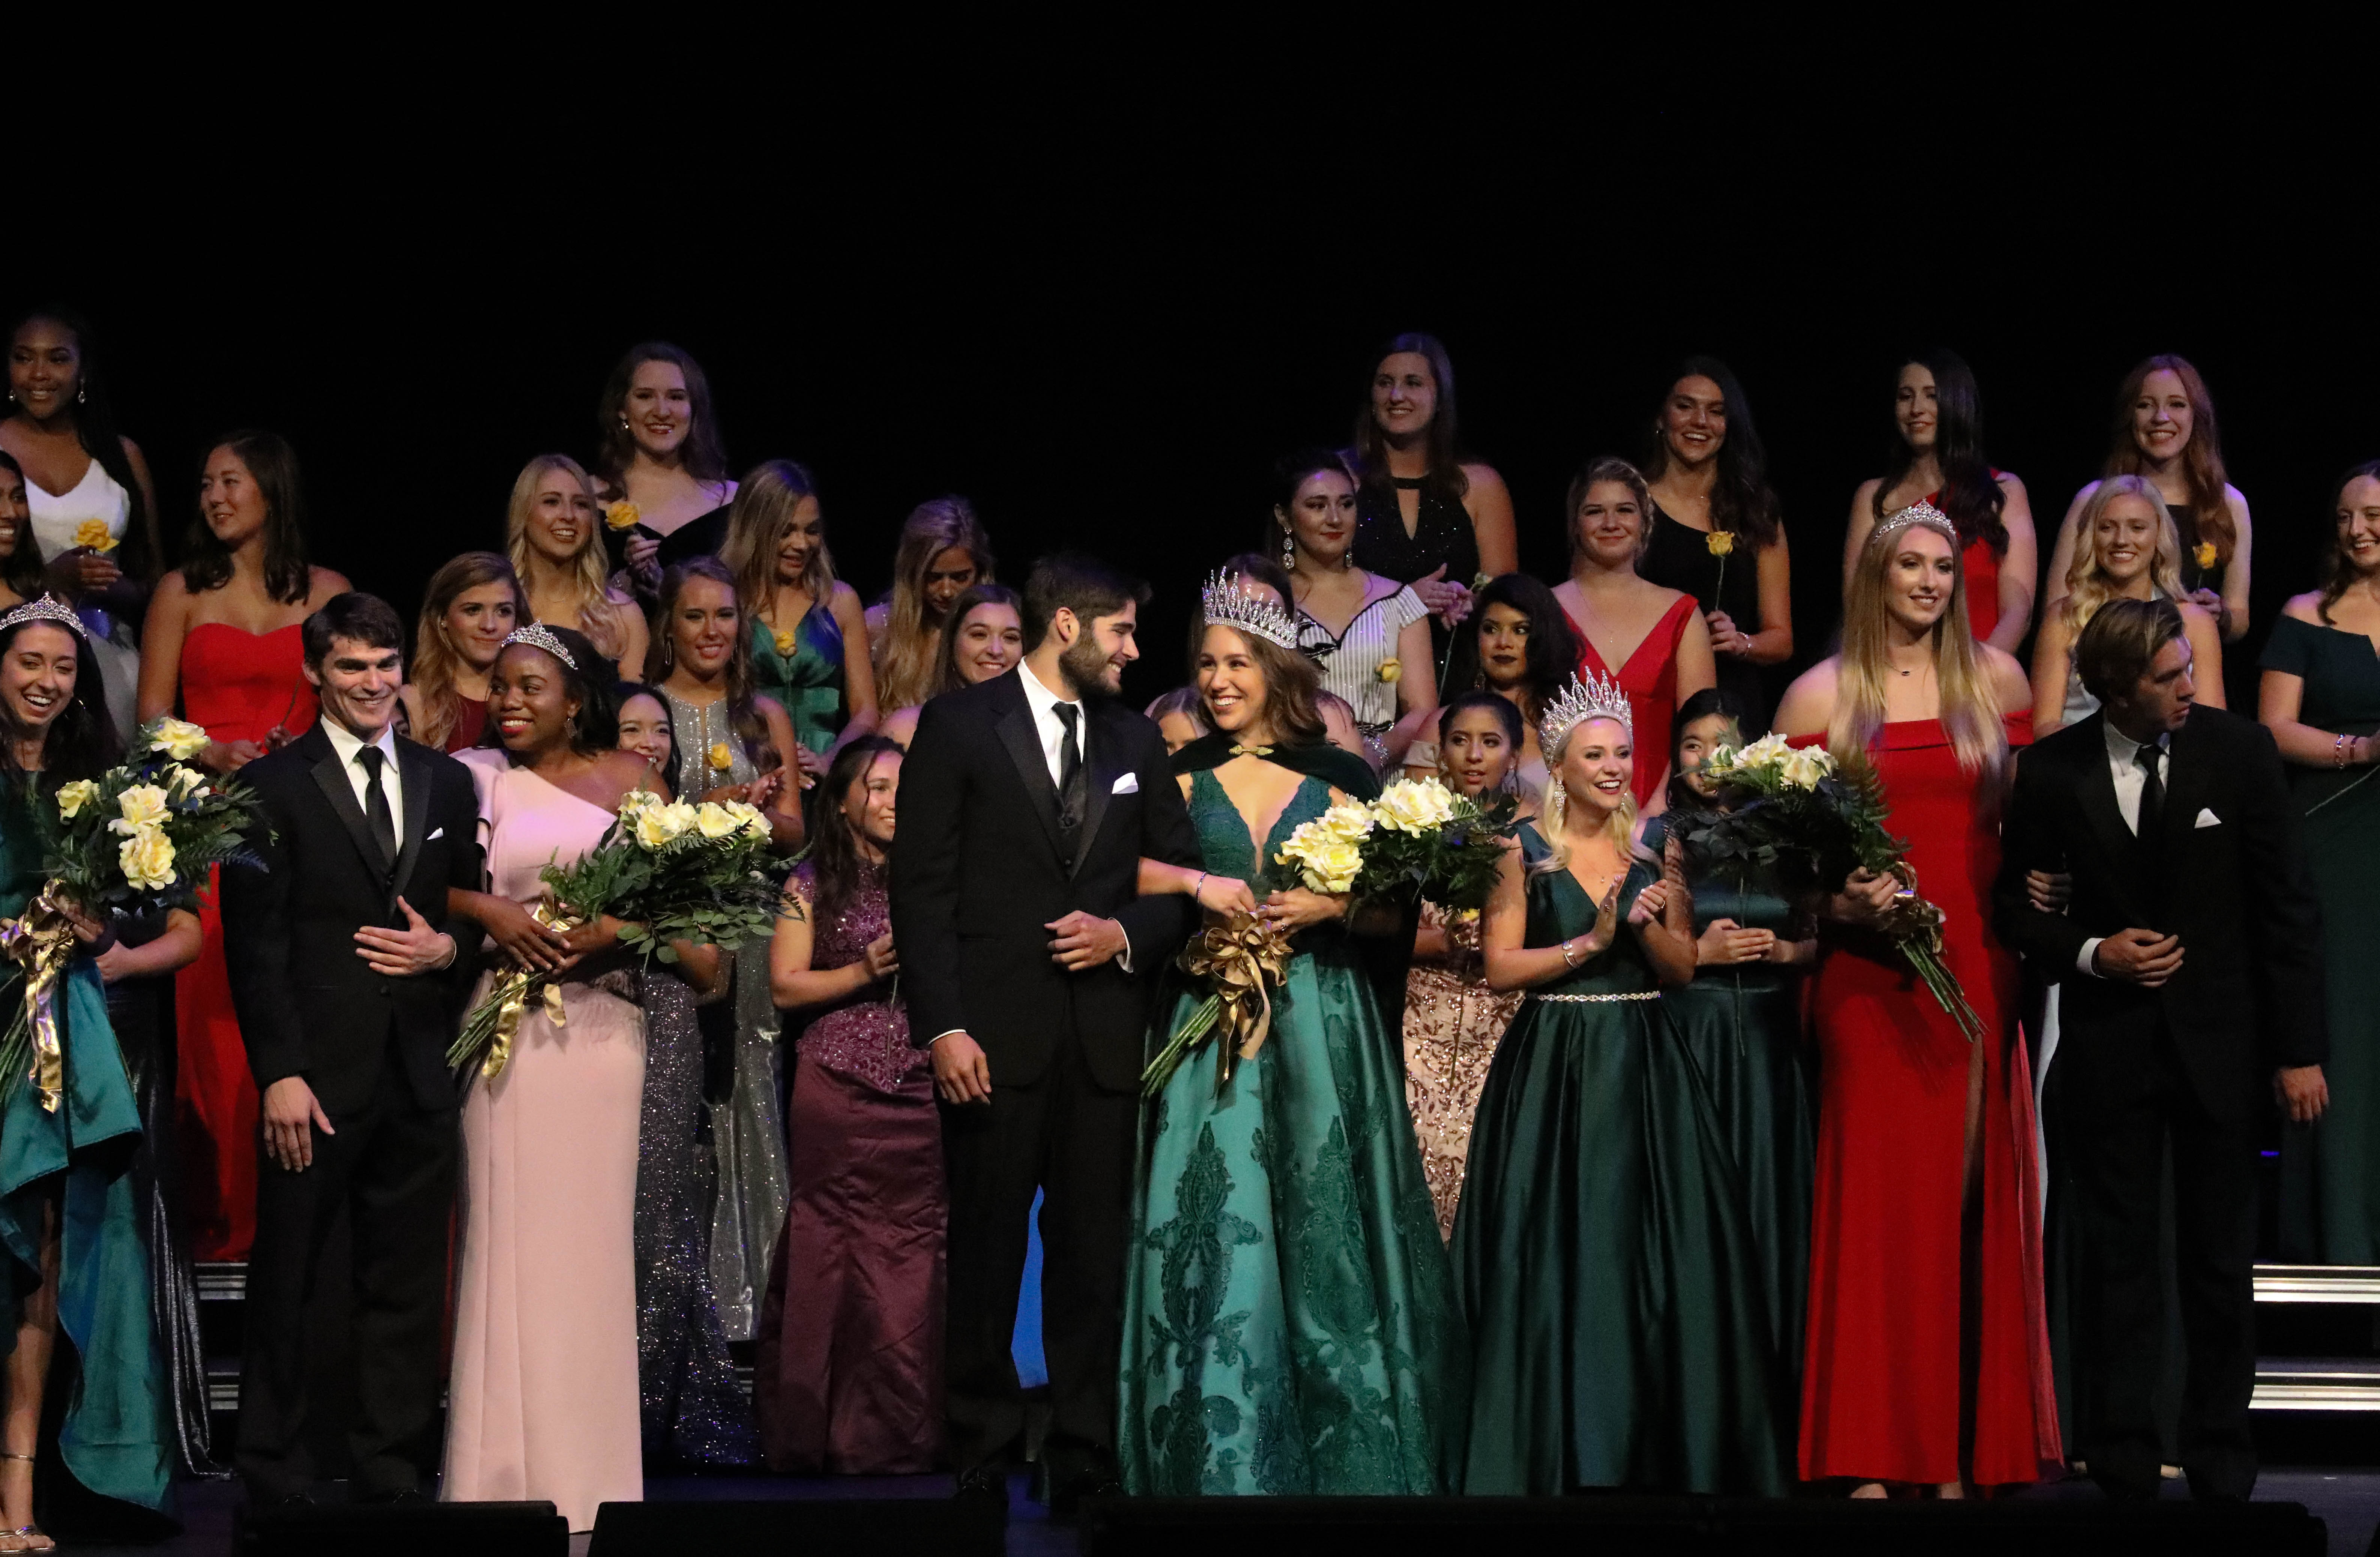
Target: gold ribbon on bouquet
{"x": 513, "y": 996}
{"x": 40, "y": 942}
{"x": 1241, "y": 960}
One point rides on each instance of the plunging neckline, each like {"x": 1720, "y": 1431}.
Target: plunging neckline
{"x": 89, "y": 464}
{"x": 1339, "y": 637}
{"x": 1603, "y": 665}
{"x": 1263, "y": 849}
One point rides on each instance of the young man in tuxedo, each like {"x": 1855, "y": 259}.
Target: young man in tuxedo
{"x": 1026, "y": 803}
{"x": 2190, "y": 961}
{"x": 347, "y": 987}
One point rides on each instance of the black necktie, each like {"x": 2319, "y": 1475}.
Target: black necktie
{"x": 1070, "y": 783}
{"x": 2151, "y": 792}
{"x": 376, "y": 811}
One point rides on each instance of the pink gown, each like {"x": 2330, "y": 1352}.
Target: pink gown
{"x": 542, "y": 1399}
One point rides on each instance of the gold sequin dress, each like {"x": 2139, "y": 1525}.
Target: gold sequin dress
{"x": 1452, "y": 1025}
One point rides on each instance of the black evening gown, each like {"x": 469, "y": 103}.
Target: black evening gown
{"x": 1441, "y": 536}
{"x": 1679, "y": 557}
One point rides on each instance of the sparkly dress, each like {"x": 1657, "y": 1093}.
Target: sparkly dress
{"x": 847, "y": 1376}
{"x": 1453, "y": 1023}
{"x": 745, "y": 1130}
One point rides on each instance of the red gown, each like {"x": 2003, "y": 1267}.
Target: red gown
{"x": 1880, "y": 1386}
{"x": 1981, "y": 566}
{"x": 1650, "y": 679}
{"x": 239, "y": 685}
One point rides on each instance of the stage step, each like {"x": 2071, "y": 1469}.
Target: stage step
{"x": 2318, "y": 1283}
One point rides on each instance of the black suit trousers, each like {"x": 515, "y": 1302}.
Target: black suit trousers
{"x": 1072, "y": 1138}
{"x": 391, "y": 1163}
{"x": 2120, "y": 1124}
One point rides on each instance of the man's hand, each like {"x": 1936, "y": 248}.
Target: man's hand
{"x": 2302, "y": 1093}
{"x": 2139, "y": 956}
{"x": 2049, "y": 891}
{"x": 1081, "y": 942}
{"x": 401, "y": 953}
{"x": 289, "y": 1108}
{"x": 961, "y": 1073}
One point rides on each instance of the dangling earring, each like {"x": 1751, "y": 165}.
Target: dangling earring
{"x": 82, "y": 395}
{"x": 1557, "y": 801}
{"x": 1288, "y": 551}
{"x": 624, "y": 424}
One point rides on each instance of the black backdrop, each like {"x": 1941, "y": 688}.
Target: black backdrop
{"x": 1110, "y": 353}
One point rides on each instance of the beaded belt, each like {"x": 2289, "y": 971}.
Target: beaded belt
{"x": 1598, "y": 1000}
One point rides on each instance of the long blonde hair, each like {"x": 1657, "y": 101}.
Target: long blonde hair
{"x": 1970, "y": 713}
{"x": 2087, "y": 587}
{"x": 1620, "y": 827}
{"x": 599, "y": 616}
{"x": 434, "y": 655}
{"x": 906, "y": 654}
{"x": 765, "y": 502}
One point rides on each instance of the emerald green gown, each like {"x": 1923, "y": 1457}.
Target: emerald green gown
{"x": 1743, "y": 1026}
{"x": 113, "y": 1437}
{"x": 1290, "y": 1324}
{"x": 1609, "y": 1270}
{"x": 808, "y": 682}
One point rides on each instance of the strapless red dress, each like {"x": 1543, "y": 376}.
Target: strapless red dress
{"x": 239, "y": 685}
{"x": 1650, "y": 679}
{"x": 1881, "y": 1396}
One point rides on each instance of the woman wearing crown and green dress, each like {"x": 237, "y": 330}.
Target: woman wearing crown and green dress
{"x": 1606, "y": 1260}
{"x": 1290, "y": 1324}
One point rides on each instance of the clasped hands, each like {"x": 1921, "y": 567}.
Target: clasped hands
{"x": 540, "y": 948}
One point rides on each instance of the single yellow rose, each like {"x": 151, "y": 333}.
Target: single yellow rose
{"x": 622, "y": 515}
{"x": 93, "y": 534}
{"x": 722, "y": 757}
{"x": 180, "y": 739}
{"x": 142, "y": 806}
{"x": 2203, "y": 554}
{"x": 186, "y": 782}
{"x": 1721, "y": 542}
{"x": 635, "y": 802}
{"x": 749, "y": 817}
{"x": 715, "y": 821}
{"x": 786, "y": 644}
{"x": 148, "y": 860}
{"x": 1392, "y": 671}
{"x": 73, "y": 798}
{"x": 1803, "y": 769}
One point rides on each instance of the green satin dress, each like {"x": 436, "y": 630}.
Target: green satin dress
{"x": 1743, "y": 1026}
{"x": 1609, "y": 1272}
{"x": 113, "y": 1437}
{"x": 1290, "y": 1324}
{"x": 809, "y": 681}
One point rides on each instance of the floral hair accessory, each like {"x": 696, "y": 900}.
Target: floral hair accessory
{"x": 1587, "y": 697}
{"x": 1227, "y": 602}
{"x": 537, "y": 635}
{"x": 45, "y": 609}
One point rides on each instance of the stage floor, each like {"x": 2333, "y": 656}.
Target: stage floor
{"x": 2347, "y": 1499}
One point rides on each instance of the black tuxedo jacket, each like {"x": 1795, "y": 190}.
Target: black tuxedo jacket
{"x": 307, "y": 1004}
{"x": 2249, "y": 997}
{"x": 977, "y": 872}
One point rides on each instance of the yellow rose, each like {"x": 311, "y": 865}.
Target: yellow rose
{"x": 622, "y": 515}
{"x": 715, "y": 821}
{"x": 186, "y": 782}
{"x": 93, "y": 534}
{"x": 1334, "y": 866}
{"x": 722, "y": 757}
{"x": 636, "y": 801}
{"x": 1721, "y": 542}
{"x": 178, "y": 739}
{"x": 786, "y": 644}
{"x": 148, "y": 860}
{"x": 1348, "y": 821}
{"x": 1413, "y": 806}
{"x": 657, "y": 825}
{"x": 73, "y": 798}
{"x": 2203, "y": 554}
{"x": 1392, "y": 671}
{"x": 1767, "y": 748}
{"x": 142, "y": 806}
{"x": 749, "y": 817}
{"x": 1803, "y": 769}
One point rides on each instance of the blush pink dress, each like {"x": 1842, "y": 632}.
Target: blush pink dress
{"x": 542, "y": 1399}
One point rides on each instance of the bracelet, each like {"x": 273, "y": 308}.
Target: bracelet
{"x": 2338, "y": 752}
{"x": 1197, "y": 885}
{"x": 1568, "y": 961}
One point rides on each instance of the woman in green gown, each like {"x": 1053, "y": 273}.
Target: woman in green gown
{"x": 1741, "y": 1018}
{"x": 2321, "y": 700}
{"x": 810, "y": 639}
{"x": 1608, "y": 1267}
{"x": 76, "y": 1266}
{"x": 1290, "y": 1324}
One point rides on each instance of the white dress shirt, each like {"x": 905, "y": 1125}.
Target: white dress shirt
{"x": 1052, "y": 729}
{"x": 2124, "y": 767}
{"x": 344, "y": 742}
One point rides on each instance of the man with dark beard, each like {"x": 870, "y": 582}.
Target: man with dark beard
{"x": 1027, "y": 803}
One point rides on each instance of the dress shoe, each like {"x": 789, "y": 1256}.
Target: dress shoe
{"x": 1066, "y": 1502}
{"x": 982, "y": 1487}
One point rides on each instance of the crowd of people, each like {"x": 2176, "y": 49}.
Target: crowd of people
{"x": 1649, "y": 1174}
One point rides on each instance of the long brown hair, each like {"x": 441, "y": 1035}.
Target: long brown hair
{"x": 835, "y": 863}
{"x": 435, "y": 657}
{"x": 701, "y": 455}
{"x": 660, "y": 658}
{"x": 288, "y": 577}
{"x": 600, "y": 617}
{"x": 2202, "y": 457}
{"x": 1970, "y": 712}
{"x": 975, "y": 595}
{"x": 2337, "y": 572}
{"x": 765, "y": 502}
{"x": 906, "y": 670}
{"x": 1740, "y": 501}
{"x": 1445, "y": 476}
{"x": 1970, "y": 495}
{"x": 1291, "y": 682}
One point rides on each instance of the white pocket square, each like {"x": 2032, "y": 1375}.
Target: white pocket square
{"x": 435, "y": 833}
{"x": 2207, "y": 819}
{"x": 1128, "y": 784}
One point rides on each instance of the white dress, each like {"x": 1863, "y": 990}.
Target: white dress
{"x": 1350, "y": 661}
{"x": 97, "y": 497}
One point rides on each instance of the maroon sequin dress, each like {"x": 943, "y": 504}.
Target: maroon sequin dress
{"x": 847, "y": 1379}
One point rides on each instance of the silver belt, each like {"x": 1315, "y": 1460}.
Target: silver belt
{"x": 1597, "y": 1000}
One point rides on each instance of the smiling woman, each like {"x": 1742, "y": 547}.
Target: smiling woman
{"x": 471, "y": 606}
{"x": 809, "y": 644}
{"x": 2125, "y": 549}
{"x": 660, "y": 454}
{"x": 549, "y": 530}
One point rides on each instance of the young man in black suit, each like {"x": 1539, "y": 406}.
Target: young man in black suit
{"x": 2190, "y": 964}
{"x": 1026, "y": 803}
{"x": 347, "y": 987}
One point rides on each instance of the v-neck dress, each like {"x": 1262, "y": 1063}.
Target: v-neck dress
{"x": 1679, "y": 557}
{"x": 2331, "y": 1173}
{"x": 1650, "y": 679}
{"x": 1350, "y": 661}
{"x": 1290, "y": 1324}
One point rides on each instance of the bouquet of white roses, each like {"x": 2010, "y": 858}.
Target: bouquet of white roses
{"x": 668, "y": 871}
{"x": 1798, "y": 813}
{"x": 141, "y": 836}
{"x": 1419, "y": 839}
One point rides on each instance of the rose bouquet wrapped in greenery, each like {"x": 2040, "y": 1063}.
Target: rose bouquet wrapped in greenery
{"x": 140, "y": 837}
{"x": 668, "y": 871}
{"x": 1813, "y": 821}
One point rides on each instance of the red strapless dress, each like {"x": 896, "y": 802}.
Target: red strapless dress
{"x": 1981, "y": 566}
{"x": 1880, "y": 1385}
{"x": 239, "y": 685}
{"x": 1650, "y": 679}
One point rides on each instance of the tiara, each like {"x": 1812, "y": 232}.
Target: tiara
{"x": 1587, "y": 697}
{"x": 537, "y": 635}
{"x": 1918, "y": 513}
{"x": 1227, "y": 602}
{"x": 45, "y": 609}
